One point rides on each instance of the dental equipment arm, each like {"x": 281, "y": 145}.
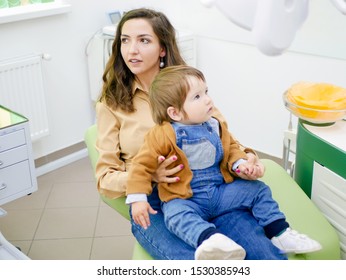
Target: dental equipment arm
{"x": 273, "y": 23}
{"x": 340, "y": 5}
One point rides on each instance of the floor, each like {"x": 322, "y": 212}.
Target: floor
{"x": 66, "y": 220}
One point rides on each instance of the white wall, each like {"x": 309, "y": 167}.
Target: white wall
{"x": 65, "y": 37}
{"x": 248, "y": 86}
{"x": 245, "y": 84}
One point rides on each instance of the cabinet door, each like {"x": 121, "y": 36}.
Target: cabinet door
{"x": 329, "y": 195}
{"x": 15, "y": 181}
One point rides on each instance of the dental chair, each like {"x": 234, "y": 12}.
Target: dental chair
{"x": 300, "y": 211}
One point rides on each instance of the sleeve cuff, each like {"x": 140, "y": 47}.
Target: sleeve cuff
{"x": 135, "y": 197}
{"x": 237, "y": 163}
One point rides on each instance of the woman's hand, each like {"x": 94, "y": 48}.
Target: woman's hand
{"x": 140, "y": 213}
{"x": 164, "y": 175}
{"x": 253, "y": 169}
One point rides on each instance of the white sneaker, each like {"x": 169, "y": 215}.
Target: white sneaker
{"x": 219, "y": 247}
{"x": 290, "y": 241}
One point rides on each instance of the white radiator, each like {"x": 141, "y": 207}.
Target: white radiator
{"x": 22, "y": 90}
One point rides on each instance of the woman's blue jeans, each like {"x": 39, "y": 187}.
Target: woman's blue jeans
{"x": 188, "y": 218}
{"x": 239, "y": 225}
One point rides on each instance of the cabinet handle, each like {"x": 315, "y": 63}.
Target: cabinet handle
{"x": 3, "y": 186}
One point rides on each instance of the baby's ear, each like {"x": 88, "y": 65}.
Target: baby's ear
{"x": 174, "y": 114}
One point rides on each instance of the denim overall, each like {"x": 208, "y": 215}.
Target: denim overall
{"x": 188, "y": 218}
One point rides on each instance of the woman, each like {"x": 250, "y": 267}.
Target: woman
{"x": 144, "y": 43}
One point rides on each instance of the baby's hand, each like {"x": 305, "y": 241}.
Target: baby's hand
{"x": 250, "y": 171}
{"x": 140, "y": 213}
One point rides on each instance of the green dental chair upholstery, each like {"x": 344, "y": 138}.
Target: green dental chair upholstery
{"x": 300, "y": 211}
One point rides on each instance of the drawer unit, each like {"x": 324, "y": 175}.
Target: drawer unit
{"x": 17, "y": 169}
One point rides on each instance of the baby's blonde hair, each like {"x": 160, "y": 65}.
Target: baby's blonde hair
{"x": 170, "y": 88}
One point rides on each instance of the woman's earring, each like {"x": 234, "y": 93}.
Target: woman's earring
{"x": 162, "y": 63}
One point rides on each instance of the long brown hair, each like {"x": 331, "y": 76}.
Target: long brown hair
{"x": 117, "y": 78}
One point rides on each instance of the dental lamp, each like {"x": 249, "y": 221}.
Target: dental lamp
{"x": 272, "y": 23}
